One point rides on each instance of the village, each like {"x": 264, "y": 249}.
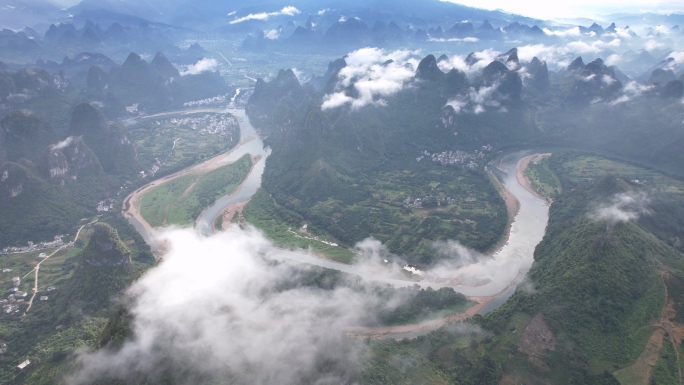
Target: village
{"x": 105, "y": 205}
{"x": 56, "y": 242}
{"x": 428, "y": 201}
{"x": 16, "y": 297}
{"x": 208, "y": 124}
{"x": 458, "y": 156}
{"x": 221, "y": 99}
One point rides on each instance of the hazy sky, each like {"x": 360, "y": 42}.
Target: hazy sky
{"x": 545, "y": 9}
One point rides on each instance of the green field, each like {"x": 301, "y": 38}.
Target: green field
{"x": 474, "y": 214}
{"x": 665, "y": 194}
{"x": 275, "y": 221}
{"x": 577, "y": 168}
{"x": 543, "y": 180}
{"x": 172, "y": 142}
{"x": 180, "y": 201}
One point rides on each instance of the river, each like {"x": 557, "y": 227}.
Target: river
{"x": 251, "y": 144}
{"x": 499, "y": 274}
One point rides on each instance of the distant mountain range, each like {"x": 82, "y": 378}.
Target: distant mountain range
{"x": 213, "y": 13}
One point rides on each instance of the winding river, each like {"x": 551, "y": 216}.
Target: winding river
{"x": 251, "y": 144}
{"x": 497, "y": 276}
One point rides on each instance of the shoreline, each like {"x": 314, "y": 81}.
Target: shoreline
{"x": 254, "y": 160}
{"x": 512, "y": 208}
{"x": 524, "y": 181}
{"x": 424, "y": 327}
{"x": 131, "y": 204}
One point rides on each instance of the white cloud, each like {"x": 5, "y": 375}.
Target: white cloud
{"x": 298, "y": 74}
{"x": 477, "y": 101}
{"x": 454, "y": 40}
{"x": 62, "y": 144}
{"x": 457, "y": 104}
{"x": 372, "y": 79}
{"x": 621, "y": 99}
{"x": 677, "y": 62}
{"x": 581, "y": 47}
{"x": 630, "y": 91}
{"x": 221, "y": 306}
{"x": 653, "y": 45}
{"x": 322, "y": 11}
{"x": 272, "y": 34}
{"x": 338, "y": 99}
{"x": 608, "y": 80}
{"x": 561, "y": 55}
{"x": 484, "y": 58}
{"x": 205, "y": 64}
{"x": 286, "y": 11}
{"x": 563, "y": 33}
{"x": 613, "y": 59}
{"x": 622, "y": 207}
{"x": 623, "y": 33}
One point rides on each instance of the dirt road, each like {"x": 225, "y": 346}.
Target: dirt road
{"x": 37, "y": 268}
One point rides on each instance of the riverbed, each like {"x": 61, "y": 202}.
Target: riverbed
{"x": 497, "y": 275}
{"x": 252, "y": 144}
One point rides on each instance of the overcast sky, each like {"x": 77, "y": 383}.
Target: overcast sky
{"x": 545, "y": 9}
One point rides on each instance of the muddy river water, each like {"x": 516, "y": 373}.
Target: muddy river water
{"x": 498, "y": 275}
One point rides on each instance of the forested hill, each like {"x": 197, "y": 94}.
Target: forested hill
{"x": 596, "y": 286}
{"x": 341, "y": 142}
{"x": 382, "y": 110}
{"x": 593, "y": 301}
{"x": 333, "y": 165}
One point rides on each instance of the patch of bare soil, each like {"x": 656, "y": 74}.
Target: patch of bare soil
{"x": 536, "y": 340}
{"x": 664, "y": 330}
{"x": 640, "y": 371}
{"x": 675, "y": 331}
{"x": 229, "y": 213}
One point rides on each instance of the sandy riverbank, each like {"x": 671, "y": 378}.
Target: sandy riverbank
{"x": 229, "y": 213}
{"x": 399, "y": 331}
{"x": 522, "y": 178}
{"x": 132, "y": 203}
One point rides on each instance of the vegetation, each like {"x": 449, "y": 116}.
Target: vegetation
{"x": 176, "y": 141}
{"x": 283, "y": 227}
{"x": 666, "y": 193}
{"x": 334, "y": 173}
{"x": 596, "y": 293}
{"x": 76, "y": 311}
{"x": 180, "y": 201}
{"x": 425, "y": 304}
{"x": 543, "y": 180}
{"x": 43, "y": 209}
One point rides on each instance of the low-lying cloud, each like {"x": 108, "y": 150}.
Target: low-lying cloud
{"x": 212, "y": 308}
{"x": 272, "y": 34}
{"x": 62, "y": 144}
{"x": 623, "y": 207}
{"x": 482, "y": 59}
{"x": 204, "y": 65}
{"x": 374, "y": 75}
{"x": 286, "y": 11}
{"x": 630, "y": 91}
{"x": 477, "y": 101}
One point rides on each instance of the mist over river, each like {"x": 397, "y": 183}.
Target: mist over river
{"x": 497, "y": 275}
